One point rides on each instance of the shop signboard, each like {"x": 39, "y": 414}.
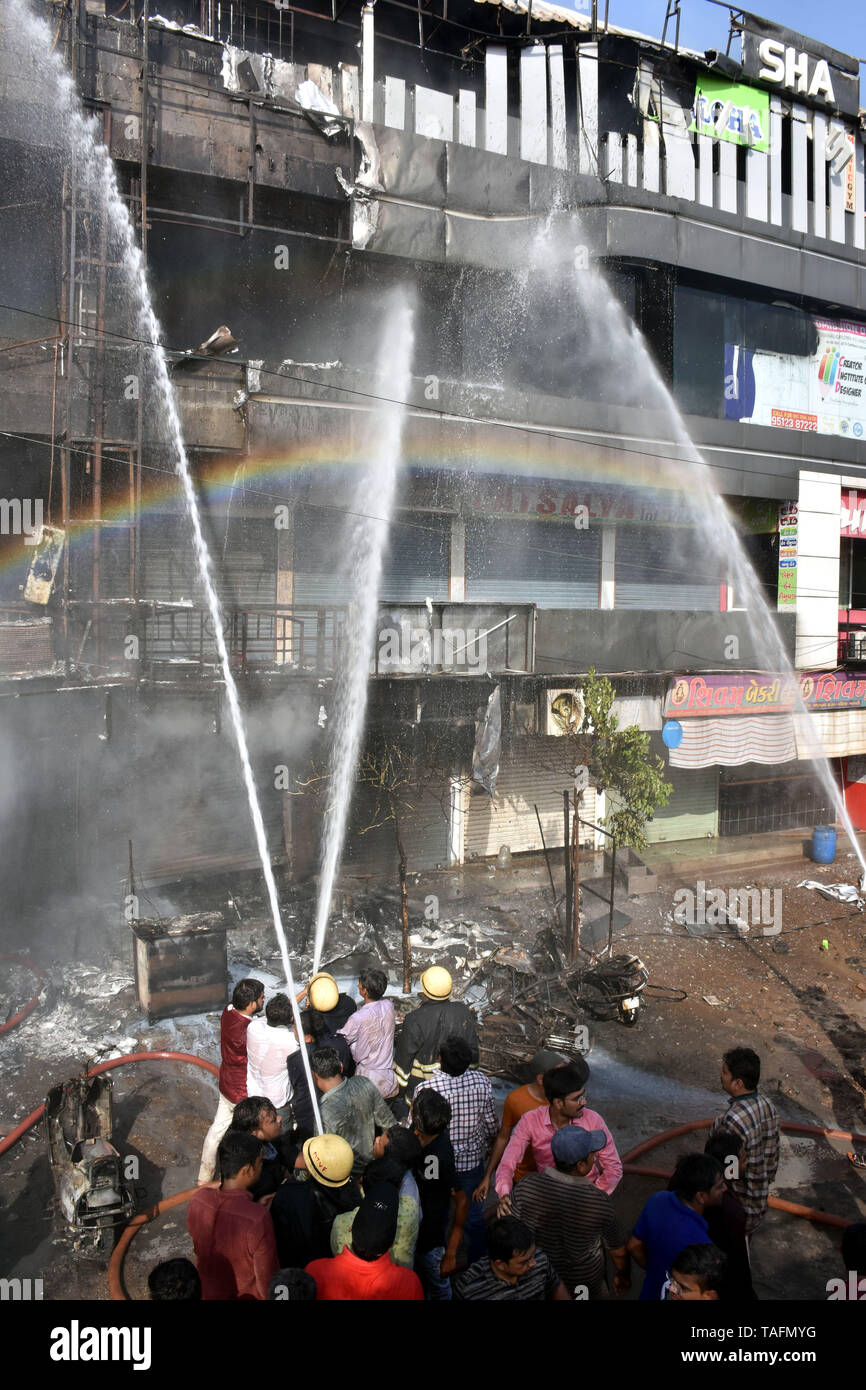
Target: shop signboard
{"x": 823, "y": 394}
{"x": 852, "y": 516}
{"x": 729, "y": 111}
{"x": 788, "y": 530}
{"x": 800, "y": 68}
{"x": 747, "y": 692}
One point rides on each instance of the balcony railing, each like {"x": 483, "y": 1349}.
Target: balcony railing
{"x": 153, "y": 639}
{"x": 852, "y": 636}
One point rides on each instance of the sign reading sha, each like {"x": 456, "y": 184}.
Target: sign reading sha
{"x": 800, "y": 67}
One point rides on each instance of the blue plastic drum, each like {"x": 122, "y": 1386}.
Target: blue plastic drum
{"x": 824, "y": 844}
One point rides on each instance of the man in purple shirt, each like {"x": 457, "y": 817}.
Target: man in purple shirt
{"x": 565, "y": 1089}
{"x": 370, "y": 1033}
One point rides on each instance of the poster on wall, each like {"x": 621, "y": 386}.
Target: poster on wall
{"x": 822, "y": 394}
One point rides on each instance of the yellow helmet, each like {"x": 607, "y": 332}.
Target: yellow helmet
{"x": 329, "y": 1159}
{"x": 323, "y": 992}
{"x": 436, "y": 982}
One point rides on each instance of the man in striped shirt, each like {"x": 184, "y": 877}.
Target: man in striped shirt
{"x": 515, "y": 1269}
{"x": 754, "y": 1119}
{"x": 473, "y": 1125}
{"x": 572, "y": 1219}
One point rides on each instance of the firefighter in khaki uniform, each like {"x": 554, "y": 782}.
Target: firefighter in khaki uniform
{"x": 438, "y": 1016}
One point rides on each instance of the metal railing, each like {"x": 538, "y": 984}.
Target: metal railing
{"x": 153, "y": 638}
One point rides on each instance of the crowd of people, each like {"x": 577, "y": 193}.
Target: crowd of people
{"x": 392, "y": 1199}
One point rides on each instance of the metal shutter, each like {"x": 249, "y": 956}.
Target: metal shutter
{"x": 424, "y": 830}
{"x": 693, "y": 810}
{"x": 547, "y": 563}
{"x": 245, "y": 568}
{"x": 666, "y": 568}
{"x": 415, "y": 566}
{"x": 528, "y": 777}
{"x": 418, "y": 558}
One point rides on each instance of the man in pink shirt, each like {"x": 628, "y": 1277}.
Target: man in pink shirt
{"x": 565, "y": 1089}
{"x": 370, "y": 1033}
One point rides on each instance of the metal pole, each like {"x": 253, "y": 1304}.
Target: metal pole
{"x": 575, "y": 882}
{"x": 610, "y": 918}
{"x": 566, "y": 844}
{"x": 549, "y": 870}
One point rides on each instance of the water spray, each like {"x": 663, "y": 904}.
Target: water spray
{"x": 94, "y": 167}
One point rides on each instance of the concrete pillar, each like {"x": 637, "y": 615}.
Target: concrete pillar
{"x": 285, "y": 588}
{"x": 457, "y": 570}
{"x": 818, "y": 571}
{"x": 368, "y": 34}
{"x": 607, "y": 579}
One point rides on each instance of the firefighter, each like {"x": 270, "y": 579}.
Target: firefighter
{"x": 438, "y": 1016}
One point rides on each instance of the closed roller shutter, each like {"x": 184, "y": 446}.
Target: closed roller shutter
{"x": 245, "y": 567}
{"x": 418, "y": 559}
{"x": 666, "y": 568}
{"x": 424, "y": 830}
{"x": 548, "y": 563}
{"x": 529, "y": 777}
{"x": 693, "y": 810}
{"x": 415, "y": 566}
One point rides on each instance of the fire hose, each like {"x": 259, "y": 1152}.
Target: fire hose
{"x": 115, "y": 1267}
{"x": 36, "y": 1115}
{"x": 825, "y": 1218}
{"x": 31, "y": 1005}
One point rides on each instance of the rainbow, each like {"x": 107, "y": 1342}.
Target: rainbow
{"x": 276, "y": 475}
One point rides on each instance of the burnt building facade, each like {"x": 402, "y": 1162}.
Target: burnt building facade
{"x": 536, "y": 182}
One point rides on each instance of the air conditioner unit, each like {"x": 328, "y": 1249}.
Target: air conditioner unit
{"x": 563, "y": 712}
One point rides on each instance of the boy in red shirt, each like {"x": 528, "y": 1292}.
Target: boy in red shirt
{"x": 248, "y": 999}
{"x": 364, "y": 1270}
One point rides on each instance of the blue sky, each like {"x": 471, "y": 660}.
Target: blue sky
{"x": 704, "y": 25}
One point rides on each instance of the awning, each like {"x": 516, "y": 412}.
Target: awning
{"x": 831, "y": 734}
{"x": 730, "y": 740}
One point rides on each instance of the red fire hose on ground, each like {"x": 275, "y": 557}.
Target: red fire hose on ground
{"x": 31, "y": 1005}
{"x": 36, "y": 1115}
{"x": 825, "y": 1218}
{"x": 115, "y": 1268}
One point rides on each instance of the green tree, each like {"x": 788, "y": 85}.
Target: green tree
{"x": 618, "y": 762}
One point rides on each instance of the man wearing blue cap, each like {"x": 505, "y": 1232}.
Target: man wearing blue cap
{"x": 572, "y": 1218}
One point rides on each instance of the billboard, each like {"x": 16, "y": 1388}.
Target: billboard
{"x": 729, "y": 111}
{"x": 821, "y": 394}
{"x": 800, "y": 68}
